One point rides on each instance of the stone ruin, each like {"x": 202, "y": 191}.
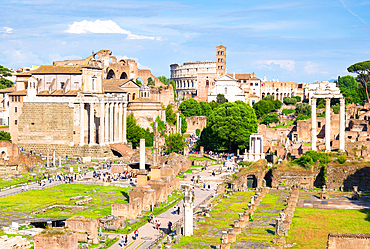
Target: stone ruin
{"x": 355, "y": 194}
{"x": 56, "y": 238}
{"x": 16, "y": 242}
{"x": 348, "y": 241}
{"x": 112, "y": 222}
{"x": 86, "y": 229}
{"x": 324, "y": 195}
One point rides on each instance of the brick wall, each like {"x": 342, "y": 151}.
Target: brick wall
{"x": 196, "y": 122}
{"x": 348, "y": 241}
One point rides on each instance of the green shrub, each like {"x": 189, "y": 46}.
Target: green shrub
{"x": 288, "y": 111}
{"x": 304, "y": 161}
{"x": 342, "y": 159}
{"x": 302, "y": 117}
{"x": 197, "y": 132}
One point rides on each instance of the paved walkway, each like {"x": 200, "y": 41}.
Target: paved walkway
{"x": 148, "y": 231}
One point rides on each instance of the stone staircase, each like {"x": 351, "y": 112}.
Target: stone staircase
{"x": 123, "y": 149}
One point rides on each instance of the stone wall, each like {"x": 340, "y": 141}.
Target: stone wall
{"x": 56, "y": 239}
{"x": 196, "y": 122}
{"x": 348, "y": 175}
{"x": 71, "y": 151}
{"x": 46, "y": 123}
{"x": 304, "y": 179}
{"x": 348, "y": 241}
{"x": 85, "y": 226}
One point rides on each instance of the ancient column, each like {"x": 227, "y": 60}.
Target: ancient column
{"x": 111, "y": 115}
{"x": 313, "y": 124}
{"x": 178, "y": 122}
{"x": 60, "y": 161}
{"x": 101, "y": 130}
{"x": 47, "y": 158}
{"x": 116, "y": 125}
{"x": 124, "y": 139}
{"x": 92, "y": 126}
{"x": 106, "y": 132}
{"x": 188, "y": 211}
{"x": 342, "y": 121}
{"x": 120, "y": 114}
{"x": 54, "y": 158}
{"x": 327, "y": 124}
{"x": 82, "y": 126}
{"x": 142, "y": 154}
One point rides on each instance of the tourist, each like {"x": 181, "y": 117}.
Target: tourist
{"x": 178, "y": 210}
{"x": 174, "y": 209}
{"x": 126, "y": 240}
{"x": 209, "y": 186}
{"x": 136, "y": 233}
{"x": 169, "y": 227}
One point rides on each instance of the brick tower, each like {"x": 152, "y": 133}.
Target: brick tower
{"x": 220, "y": 59}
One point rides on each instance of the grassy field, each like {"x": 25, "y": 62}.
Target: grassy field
{"x": 223, "y": 216}
{"x": 310, "y": 227}
{"x": 36, "y": 199}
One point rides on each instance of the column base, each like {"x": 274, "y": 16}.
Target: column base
{"x": 81, "y": 144}
{"x": 92, "y": 144}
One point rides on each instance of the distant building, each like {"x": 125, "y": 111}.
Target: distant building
{"x": 227, "y": 86}
{"x": 196, "y": 78}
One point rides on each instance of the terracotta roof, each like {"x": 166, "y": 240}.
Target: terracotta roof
{"x": 147, "y": 100}
{"x": 243, "y": 76}
{"x": 47, "y": 69}
{"x": 20, "y": 92}
{"x": 113, "y": 85}
{"x": 58, "y": 92}
{"x": 253, "y": 96}
{"x": 7, "y": 90}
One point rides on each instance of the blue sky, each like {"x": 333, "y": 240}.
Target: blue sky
{"x": 301, "y": 41}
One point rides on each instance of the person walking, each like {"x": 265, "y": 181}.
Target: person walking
{"x": 126, "y": 240}
{"x": 136, "y": 233}
{"x": 178, "y": 210}
{"x": 169, "y": 227}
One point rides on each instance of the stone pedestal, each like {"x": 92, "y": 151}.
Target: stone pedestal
{"x": 201, "y": 151}
{"x": 155, "y": 172}
{"x": 178, "y": 229}
{"x": 186, "y": 151}
{"x": 231, "y": 236}
{"x": 188, "y": 219}
{"x": 142, "y": 178}
{"x": 225, "y": 246}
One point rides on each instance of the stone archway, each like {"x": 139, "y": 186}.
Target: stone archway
{"x": 123, "y": 76}
{"x": 111, "y": 74}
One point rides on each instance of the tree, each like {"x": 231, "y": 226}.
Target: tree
{"x": 190, "y": 107}
{"x": 234, "y": 122}
{"x": 302, "y": 117}
{"x": 350, "y": 89}
{"x": 197, "y": 132}
{"x": 5, "y": 136}
{"x": 298, "y": 98}
{"x": 151, "y": 82}
{"x": 277, "y": 104}
{"x": 170, "y": 115}
{"x": 138, "y": 82}
{"x": 263, "y": 107}
{"x": 213, "y": 105}
{"x": 134, "y": 132}
{"x": 269, "y": 97}
{"x": 184, "y": 124}
{"x": 161, "y": 125}
{"x": 205, "y": 109}
{"x": 149, "y": 137}
{"x": 303, "y": 108}
{"x": 4, "y": 83}
{"x": 289, "y": 101}
{"x": 363, "y": 71}
{"x": 175, "y": 142}
{"x": 221, "y": 98}
{"x": 288, "y": 111}
{"x": 270, "y": 118}
{"x": 167, "y": 82}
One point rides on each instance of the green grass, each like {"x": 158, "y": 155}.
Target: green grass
{"x": 310, "y": 227}
{"x": 223, "y": 216}
{"x": 36, "y": 199}
{"x": 201, "y": 158}
{"x": 288, "y": 122}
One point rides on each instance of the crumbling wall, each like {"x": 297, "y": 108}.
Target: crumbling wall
{"x": 348, "y": 241}
{"x": 195, "y": 122}
{"x": 304, "y": 179}
{"x": 56, "y": 239}
{"x": 84, "y": 226}
{"x": 348, "y": 175}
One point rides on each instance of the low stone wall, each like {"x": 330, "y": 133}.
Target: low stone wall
{"x": 348, "y": 175}
{"x": 304, "y": 179}
{"x": 56, "y": 239}
{"x": 71, "y": 151}
{"x": 348, "y": 241}
{"x": 82, "y": 225}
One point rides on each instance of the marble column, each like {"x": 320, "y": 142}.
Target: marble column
{"x": 124, "y": 139}
{"x": 142, "y": 154}
{"x": 101, "y": 130}
{"x": 106, "y": 132}
{"x": 92, "y": 125}
{"x": 116, "y": 122}
{"x": 313, "y": 124}
{"x": 178, "y": 123}
{"x": 111, "y": 123}
{"x": 82, "y": 125}
{"x": 327, "y": 125}
{"x": 120, "y": 113}
{"x": 342, "y": 121}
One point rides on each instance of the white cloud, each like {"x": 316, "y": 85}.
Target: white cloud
{"x": 288, "y": 65}
{"x": 311, "y": 68}
{"x": 58, "y": 57}
{"x": 6, "y": 30}
{"x": 105, "y": 27}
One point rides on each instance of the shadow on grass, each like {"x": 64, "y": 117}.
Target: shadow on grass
{"x": 125, "y": 195}
{"x": 367, "y": 212}
{"x": 271, "y": 231}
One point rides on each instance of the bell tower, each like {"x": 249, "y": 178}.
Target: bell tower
{"x": 220, "y": 59}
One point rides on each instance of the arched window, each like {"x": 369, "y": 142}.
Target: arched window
{"x": 128, "y": 96}
{"x": 111, "y": 75}
{"x": 207, "y": 82}
{"x": 133, "y": 96}
{"x": 145, "y": 94}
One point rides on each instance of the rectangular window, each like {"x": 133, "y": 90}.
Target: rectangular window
{"x": 15, "y": 122}
{"x": 61, "y": 85}
{"x": 12, "y": 98}
{"x": 15, "y": 109}
{"x": 256, "y": 84}
{"x": 251, "y": 84}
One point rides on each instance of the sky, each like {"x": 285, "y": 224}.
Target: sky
{"x": 300, "y": 41}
